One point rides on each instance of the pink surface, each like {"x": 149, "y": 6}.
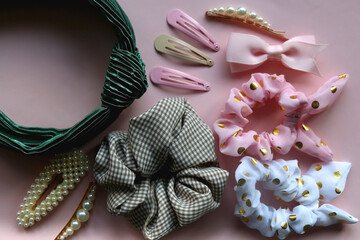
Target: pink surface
{"x": 52, "y": 65}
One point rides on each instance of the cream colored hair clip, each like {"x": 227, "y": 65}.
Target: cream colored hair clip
{"x": 52, "y": 186}
{"x": 250, "y": 18}
{"x": 81, "y": 214}
{"x": 178, "y": 48}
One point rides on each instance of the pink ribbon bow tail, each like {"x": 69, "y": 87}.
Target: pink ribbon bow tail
{"x": 327, "y": 94}
{"x": 308, "y": 142}
{"x": 246, "y": 52}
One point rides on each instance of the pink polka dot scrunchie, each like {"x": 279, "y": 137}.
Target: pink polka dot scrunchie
{"x": 261, "y": 87}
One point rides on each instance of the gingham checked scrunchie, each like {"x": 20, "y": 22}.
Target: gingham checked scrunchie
{"x": 162, "y": 173}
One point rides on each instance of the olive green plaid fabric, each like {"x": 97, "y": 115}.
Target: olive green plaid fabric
{"x": 163, "y": 172}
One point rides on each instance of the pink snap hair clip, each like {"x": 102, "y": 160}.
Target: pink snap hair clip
{"x": 173, "y": 78}
{"x": 186, "y": 24}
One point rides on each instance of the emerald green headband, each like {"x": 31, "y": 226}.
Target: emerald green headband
{"x": 124, "y": 82}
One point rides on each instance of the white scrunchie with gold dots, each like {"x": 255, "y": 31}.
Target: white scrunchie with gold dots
{"x": 323, "y": 182}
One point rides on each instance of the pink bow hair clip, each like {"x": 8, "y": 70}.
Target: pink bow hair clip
{"x": 173, "y": 78}
{"x": 186, "y": 24}
{"x": 245, "y": 52}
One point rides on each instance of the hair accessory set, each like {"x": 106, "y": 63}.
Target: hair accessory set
{"x": 163, "y": 172}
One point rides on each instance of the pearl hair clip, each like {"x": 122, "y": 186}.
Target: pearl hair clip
{"x": 178, "y": 48}
{"x": 81, "y": 214}
{"x": 186, "y": 24}
{"x": 53, "y": 184}
{"x": 174, "y": 78}
{"x": 242, "y": 15}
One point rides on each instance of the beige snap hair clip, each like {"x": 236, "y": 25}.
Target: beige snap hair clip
{"x": 178, "y": 48}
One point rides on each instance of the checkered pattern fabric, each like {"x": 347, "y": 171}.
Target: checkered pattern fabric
{"x": 163, "y": 172}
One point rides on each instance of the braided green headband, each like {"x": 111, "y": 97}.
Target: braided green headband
{"x": 125, "y": 80}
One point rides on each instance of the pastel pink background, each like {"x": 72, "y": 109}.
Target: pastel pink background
{"x": 53, "y": 59}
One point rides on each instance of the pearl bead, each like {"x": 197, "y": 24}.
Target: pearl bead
{"x": 69, "y": 231}
{"x": 241, "y": 11}
{"x": 82, "y": 215}
{"x": 260, "y": 19}
{"x": 252, "y": 15}
{"x": 230, "y": 10}
{"x": 43, "y": 214}
{"x": 75, "y": 224}
{"x": 60, "y": 198}
{"x": 87, "y": 205}
{"x": 91, "y": 197}
{"x": 221, "y": 9}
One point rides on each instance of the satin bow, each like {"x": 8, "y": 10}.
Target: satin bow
{"x": 245, "y": 52}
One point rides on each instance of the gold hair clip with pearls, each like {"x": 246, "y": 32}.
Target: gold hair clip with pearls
{"x": 53, "y": 184}
{"x": 241, "y": 14}
{"x": 81, "y": 214}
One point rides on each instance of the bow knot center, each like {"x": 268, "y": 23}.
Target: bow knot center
{"x": 275, "y": 52}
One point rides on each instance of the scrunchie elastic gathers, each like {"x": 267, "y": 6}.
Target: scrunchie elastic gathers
{"x": 162, "y": 173}
{"x": 124, "y": 82}
{"x": 323, "y": 182}
{"x": 292, "y": 132}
